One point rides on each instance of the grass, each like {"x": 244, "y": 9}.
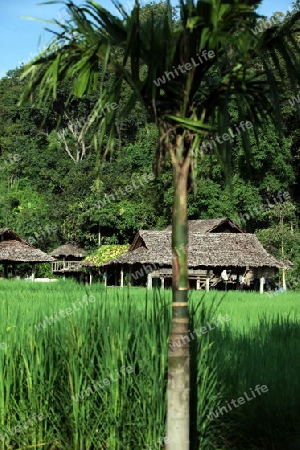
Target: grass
{"x": 260, "y": 345}
{"x": 98, "y": 333}
{"x": 42, "y": 370}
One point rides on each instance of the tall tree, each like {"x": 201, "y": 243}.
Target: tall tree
{"x": 184, "y": 73}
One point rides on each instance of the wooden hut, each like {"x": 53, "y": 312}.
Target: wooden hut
{"x": 215, "y": 246}
{"x": 69, "y": 259}
{"x": 15, "y": 250}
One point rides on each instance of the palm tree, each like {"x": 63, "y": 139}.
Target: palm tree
{"x": 185, "y": 73}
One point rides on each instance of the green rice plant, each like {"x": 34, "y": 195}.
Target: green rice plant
{"x": 259, "y": 346}
{"x": 205, "y": 391}
{"x": 72, "y": 370}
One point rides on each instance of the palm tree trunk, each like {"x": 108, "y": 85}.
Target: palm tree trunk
{"x": 178, "y": 358}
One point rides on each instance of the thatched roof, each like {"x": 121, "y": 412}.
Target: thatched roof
{"x": 227, "y": 249}
{"x": 203, "y": 226}
{"x": 222, "y": 225}
{"x": 67, "y": 250}
{"x": 150, "y": 239}
{"x": 287, "y": 264}
{"x": 6, "y": 234}
{"x": 204, "y": 250}
{"x": 16, "y": 251}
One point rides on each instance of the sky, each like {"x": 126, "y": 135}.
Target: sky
{"x": 21, "y": 39}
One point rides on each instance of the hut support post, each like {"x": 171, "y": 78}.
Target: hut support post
{"x": 129, "y": 277}
{"x": 261, "y": 285}
{"x": 33, "y": 272}
{"x": 91, "y": 278}
{"x": 122, "y": 277}
{"x": 198, "y": 282}
{"x": 105, "y": 279}
{"x": 162, "y": 279}
{"x": 99, "y": 235}
{"x": 283, "y": 279}
{"x": 5, "y": 270}
{"x": 149, "y": 281}
{"x": 207, "y": 281}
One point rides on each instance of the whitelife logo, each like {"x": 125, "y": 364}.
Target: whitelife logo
{"x": 22, "y": 426}
{"x": 188, "y": 66}
{"x": 215, "y": 140}
{"x": 263, "y": 26}
{"x": 294, "y": 100}
{"x": 120, "y": 192}
{"x": 159, "y": 444}
{"x": 199, "y": 332}
{"x": 102, "y": 384}
{"x": 241, "y": 401}
{"x": 65, "y": 313}
{"x": 282, "y": 197}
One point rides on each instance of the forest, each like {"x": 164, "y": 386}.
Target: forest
{"x": 56, "y": 187}
{"x": 136, "y": 122}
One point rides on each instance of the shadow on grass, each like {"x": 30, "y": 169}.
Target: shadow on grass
{"x": 264, "y": 355}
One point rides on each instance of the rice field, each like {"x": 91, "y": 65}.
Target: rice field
{"x": 85, "y": 368}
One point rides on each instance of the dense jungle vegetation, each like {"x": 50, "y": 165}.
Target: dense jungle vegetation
{"x": 54, "y": 187}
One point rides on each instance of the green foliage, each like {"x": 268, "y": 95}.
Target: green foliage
{"x": 105, "y": 253}
{"x": 44, "y": 270}
{"x": 194, "y": 100}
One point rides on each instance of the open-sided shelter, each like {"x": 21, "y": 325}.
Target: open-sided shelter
{"x": 69, "y": 259}
{"x": 215, "y": 246}
{"x": 15, "y": 250}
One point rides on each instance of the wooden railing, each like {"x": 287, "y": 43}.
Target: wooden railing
{"x": 66, "y": 266}
{"x": 193, "y": 273}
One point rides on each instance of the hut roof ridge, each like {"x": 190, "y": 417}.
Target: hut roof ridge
{"x": 69, "y": 249}
{"x": 12, "y": 236}
{"x": 208, "y": 225}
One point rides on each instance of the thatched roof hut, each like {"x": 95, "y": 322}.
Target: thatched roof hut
{"x": 214, "y": 245}
{"x": 70, "y": 259}
{"x": 15, "y": 249}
